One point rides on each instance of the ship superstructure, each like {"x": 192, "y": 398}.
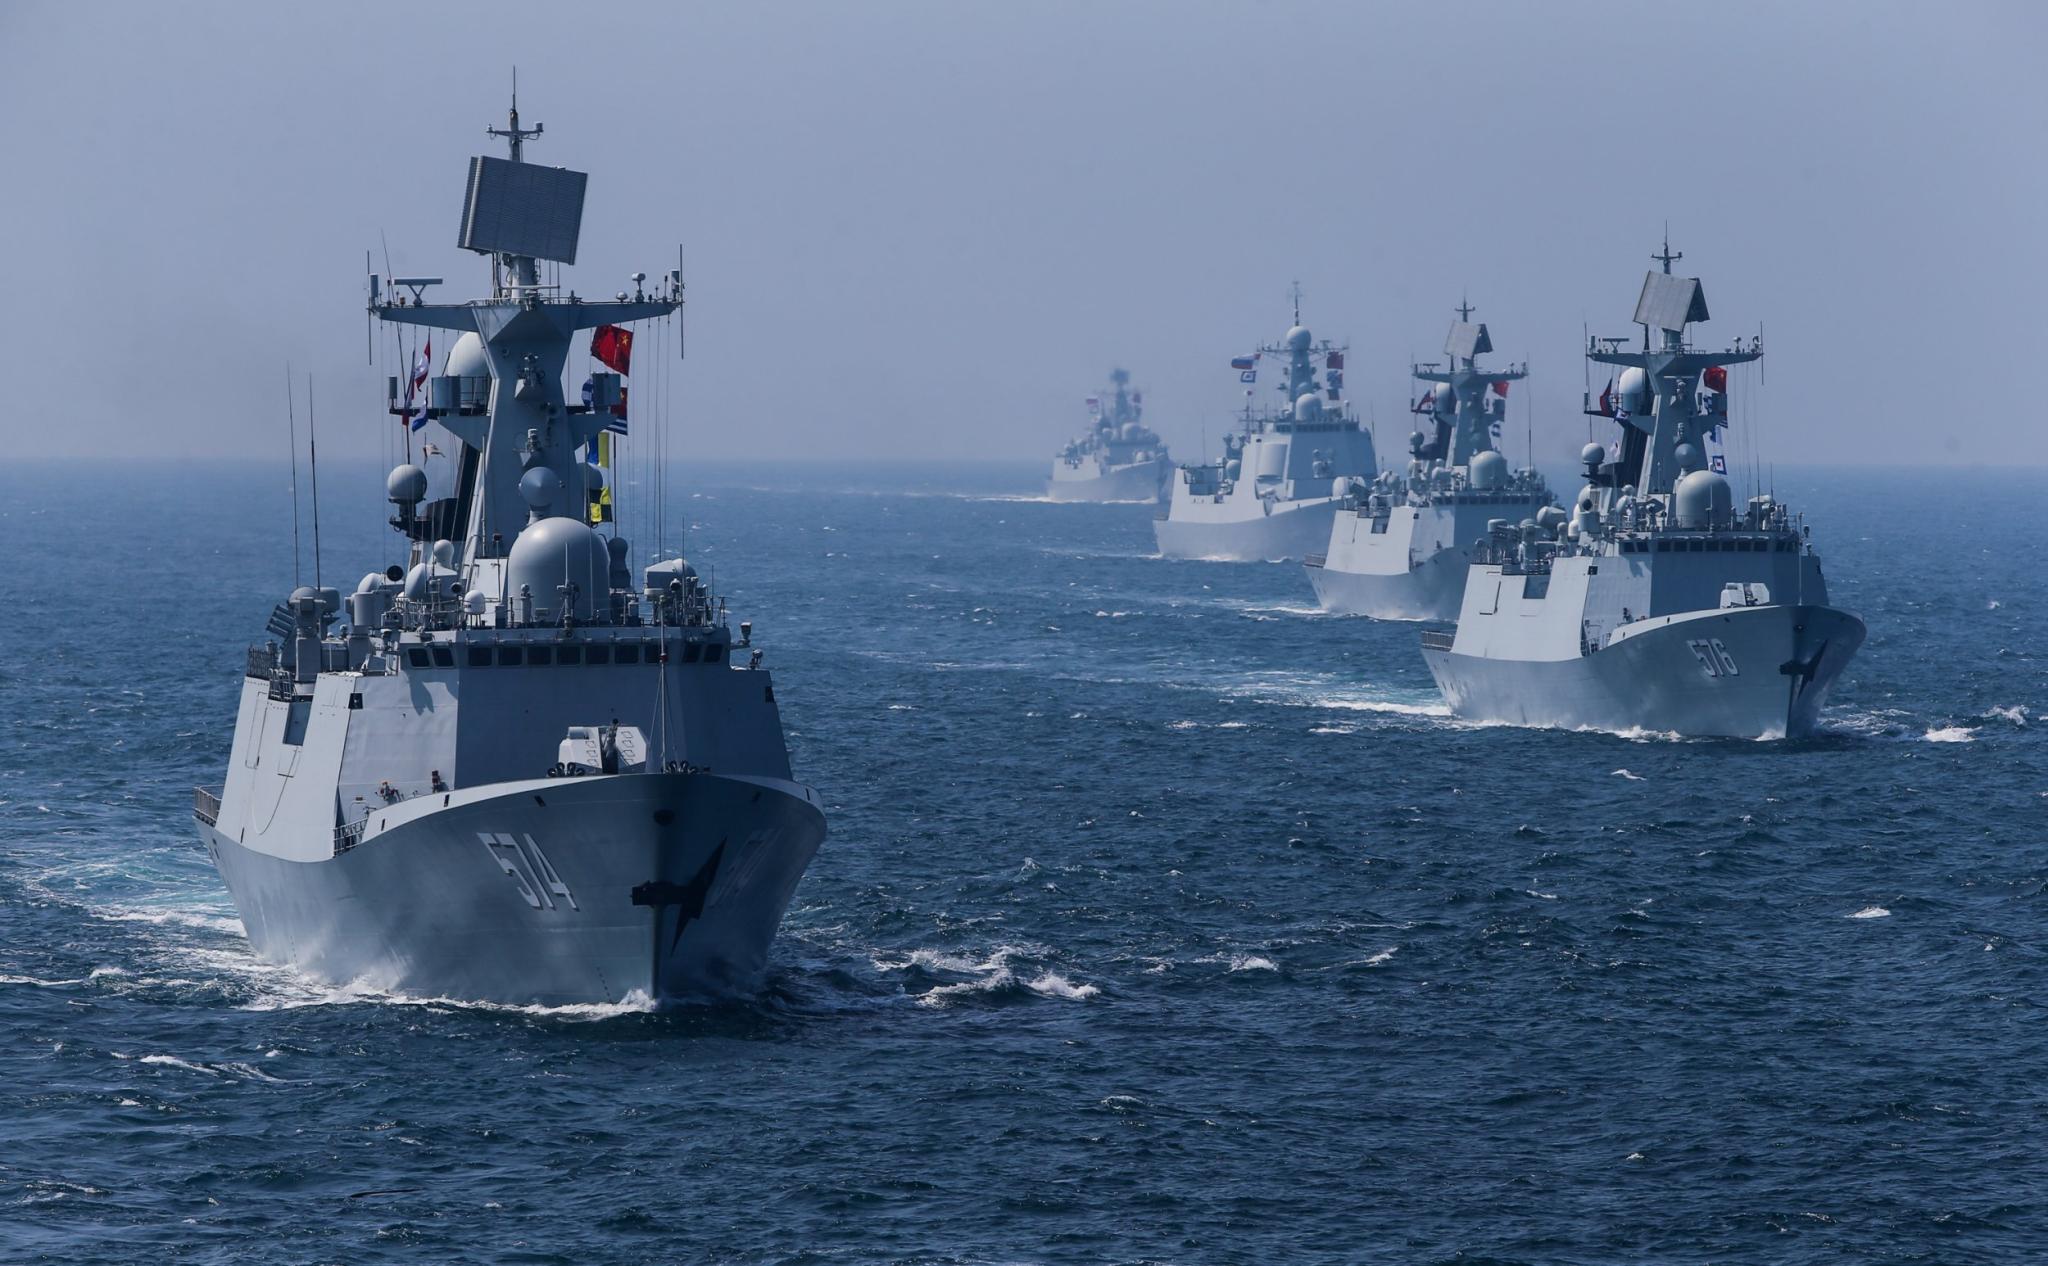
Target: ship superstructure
{"x": 1657, "y": 604}
{"x": 1284, "y": 472}
{"x": 1119, "y": 459}
{"x": 507, "y": 767}
{"x": 1400, "y": 546}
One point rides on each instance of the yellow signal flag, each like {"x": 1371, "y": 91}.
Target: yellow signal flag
{"x": 601, "y": 504}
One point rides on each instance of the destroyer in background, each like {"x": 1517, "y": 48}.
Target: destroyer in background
{"x": 1657, "y": 605}
{"x": 1120, "y": 459}
{"x": 502, "y": 770}
{"x": 1400, "y": 546}
{"x": 1283, "y": 474}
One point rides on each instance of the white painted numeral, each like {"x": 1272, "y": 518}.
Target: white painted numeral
{"x": 544, "y": 870}
{"x": 1714, "y": 657}
{"x": 492, "y": 845}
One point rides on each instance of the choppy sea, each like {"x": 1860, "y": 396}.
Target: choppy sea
{"x": 1163, "y": 919}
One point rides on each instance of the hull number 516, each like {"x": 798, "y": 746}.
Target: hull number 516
{"x": 1713, "y": 656}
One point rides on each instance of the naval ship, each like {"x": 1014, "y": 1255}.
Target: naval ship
{"x": 1120, "y": 459}
{"x": 504, "y": 768}
{"x": 1656, "y": 604}
{"x": 1284, "y": 472}
{"x": 1401, "y": 545}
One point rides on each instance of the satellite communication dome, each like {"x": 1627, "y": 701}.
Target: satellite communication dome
{"x": 1129, "y": 431}
{"x": 1688, "y": 457}
{"x": 1340, "y": 486}
{"x": 1550, "y": 517}
{"x": 1592, "y": 455}
{"x": 1232, "y": 469}
{"x": 466, "y": 359}
{"x": 1632, "y": 390}
{"x": 444, "y": 553}
{"x": 540, "y": 486}
{"x": 1308, "y": 408}
{"x": 549, "y": 553}
{"x": 1487, "y": 470}
{"x": 1415, "y": 441}
{"x": 406, "y": 485}
{"x": 1443, "y": 400}
{"x": 1703, "y": 499}
{"x": 1298, "y": 339}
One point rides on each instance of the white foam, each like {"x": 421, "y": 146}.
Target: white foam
{"x": 1623, "y": 773}
{"x": 2015, "y": 714}
{"x": 1383, "y": 956}
{"x": 1951, "y": 734}
{"x": 1252, "y": 962}
{"x": 1871, "y": 912}
{"x": 172, "y": 1061}
{"x": 1052, "y": 985}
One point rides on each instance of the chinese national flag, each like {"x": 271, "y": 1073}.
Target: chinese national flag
{"x": 613, "y": 346}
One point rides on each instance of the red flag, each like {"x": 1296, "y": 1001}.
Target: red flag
{"x": 1717, "y": 378}
{"x": 1335, "y": 361}
{"x": 1500, "y": 388}
{"x": 613, "y": 346}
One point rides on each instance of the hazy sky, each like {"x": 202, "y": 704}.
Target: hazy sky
{"x": 930, "y": 229}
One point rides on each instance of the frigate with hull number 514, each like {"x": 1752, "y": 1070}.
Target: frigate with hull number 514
{"x": 502, "y": 770}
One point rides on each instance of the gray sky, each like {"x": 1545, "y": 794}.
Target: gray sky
{"x": 931, "y": 228}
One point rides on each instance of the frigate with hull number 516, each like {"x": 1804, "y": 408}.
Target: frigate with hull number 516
{"x": 502, "y": 770}
{"x": 1656, "y": 604}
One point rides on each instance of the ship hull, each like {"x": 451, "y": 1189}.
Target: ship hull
{"x": 1141, "y": 481}
{"x": 1432, "y": 590}
{"x": 1671, "y": 677}
{"x": 564, "y": 891}
{"x": 1295, "y": 531}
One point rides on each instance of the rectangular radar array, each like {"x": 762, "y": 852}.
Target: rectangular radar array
{"x": 1670, "y": 303}
{"x": 522, "y": 209}
{"x": 1467, "y": 340}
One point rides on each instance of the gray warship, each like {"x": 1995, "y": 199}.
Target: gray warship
{"x": 1284, "y": 472}
{"x": 1119, "y": 459}
{"x": 501, "y": 769}
{"x": 1657, "y": 604}
{"x": 1400, "y": 546}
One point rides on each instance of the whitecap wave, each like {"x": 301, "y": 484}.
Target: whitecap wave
{"x": 1623, "y": 773}
{"x": 1871, "y": 912}
{"x": 1951, "y": 734}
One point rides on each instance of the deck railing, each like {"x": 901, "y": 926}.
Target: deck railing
{"x": 1438, "y": 639}
{"x": 206, "y": 804}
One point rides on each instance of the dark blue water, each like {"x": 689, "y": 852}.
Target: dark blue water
{"x": 1162, "y": 920}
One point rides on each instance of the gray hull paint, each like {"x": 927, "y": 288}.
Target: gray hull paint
{"x": 1276, "y": 537}
{"x": 1145, "y": 481}
{"x": 432, "y": 909}
{"x": 1432, "y": 591}
{"x": 1656, "y": 682}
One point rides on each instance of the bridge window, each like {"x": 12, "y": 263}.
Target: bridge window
{"x": 444, "y": 657}
{"x": 538, "y": 655}
{"x": 569, "y": 655}
{"x": 479, "y": 657}
{"x": 629, "y": 653}
{"x": 416, "y": 656}
{"x": 691, "y": 651}
{"x": 511, "y": 656}
{"x": 598, "y": 655}
{"x": 714, "y": 652}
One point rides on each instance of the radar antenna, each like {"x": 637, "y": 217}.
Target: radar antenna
{"x": 1667, "y": 257}
{"x": 516, "y": 136}
{"x": 1465, "y": 309}
{"x": 1296, "y": 292}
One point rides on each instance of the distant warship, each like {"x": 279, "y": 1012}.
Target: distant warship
{"x": 1401, "y": 546}
{"x": 1657, "y": 605}
{"x": 1119, "y": 459}
{"x": 1283, "y": 474}
{"x": 510, "y": 773}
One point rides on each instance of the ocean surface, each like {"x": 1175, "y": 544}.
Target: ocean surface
{"x": 1163, "y": 919}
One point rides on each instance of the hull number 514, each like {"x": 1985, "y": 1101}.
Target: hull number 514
{"x": 529, "y": 868}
